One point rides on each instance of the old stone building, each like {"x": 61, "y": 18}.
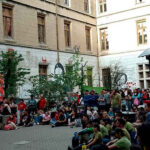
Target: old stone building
{"x": 46, "y": 32}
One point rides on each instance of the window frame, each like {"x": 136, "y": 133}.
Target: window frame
{"x": 88, "y": 38}
{"x": 103, "y": 5}
{"x": 43, "y": 74}
{"x": 68, "y": 3}
{"x": 142, "y": 30}
{"x": 89, "y": 76}
{"x": 44, "y": 28}
{"x": 7, "y": 6}
{"x": 105, "y": 38}
{"x": 87, "y": 6}
{"x": 67, "y": 32}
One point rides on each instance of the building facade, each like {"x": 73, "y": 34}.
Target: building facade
{"x": 50, "y": 31}
{"x": 46, "y": 32}
{"x": 123, "y": 34}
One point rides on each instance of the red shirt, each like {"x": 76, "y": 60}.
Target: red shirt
{"x": 1, "y": 93}
{"x": 22, "y": 106}
{"x": 42, "y": 103}
{"x": 11, "y": 120}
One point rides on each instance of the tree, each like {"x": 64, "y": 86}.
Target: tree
{"x": 13, "y": 75}
{"x": 55, "y": 86}
{"x": 114, "y": 76}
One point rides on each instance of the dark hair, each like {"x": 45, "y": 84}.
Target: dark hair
{"x": 122, "y": 121}
{"x": 119, "y": 131}
{"x": 96, "y": 126}
{"x": 143, "y": 132}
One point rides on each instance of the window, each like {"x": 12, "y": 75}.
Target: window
{"x": 102, "y": 6}
{"x": 69, "y": 69}
{"x": 104, "y": 39}
{"x": 7, "y": 21}
{"x": 144, "y": 75}
{"x": 43, "y": 71}
{"x": 86, "y": 5}
{"x": 89, "y": 76}
{"x": 41, "y": 28}
{"x": 66, "y": 2}
{"x": 67, "y": 33}
{"x": 141, "y": 32}
{"x": 106, "y": 78}
{"x": 88, "y": 38}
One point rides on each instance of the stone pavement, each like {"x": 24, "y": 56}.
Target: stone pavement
{"x": 37, "y": 138}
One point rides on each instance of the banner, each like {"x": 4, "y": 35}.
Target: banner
{"x": 96, "y": 89}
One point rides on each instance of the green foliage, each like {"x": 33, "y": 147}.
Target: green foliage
{"x": 13, "y": 75}
{"x": 55, "y": 87}
{"x": 52, "y": 90}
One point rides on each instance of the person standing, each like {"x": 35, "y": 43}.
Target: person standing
{"x": 42, "y": 103}
{"x": 115, "y": 100}
{"x": 32, "y": 105}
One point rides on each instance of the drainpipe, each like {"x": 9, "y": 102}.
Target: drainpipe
{"x": 58, "y": 58}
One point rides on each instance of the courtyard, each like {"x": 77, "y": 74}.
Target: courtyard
{"x": 37, "y": 138}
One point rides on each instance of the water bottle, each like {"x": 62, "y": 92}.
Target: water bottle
{"x": 84, "y": 147}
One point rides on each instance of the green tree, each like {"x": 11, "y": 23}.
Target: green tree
{"x": 13, "y": 75}
{"x": 56, "y": 86}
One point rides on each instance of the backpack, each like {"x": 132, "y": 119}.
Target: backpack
{"x": 136, "y": 102}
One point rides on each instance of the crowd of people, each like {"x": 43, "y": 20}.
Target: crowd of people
{"x": 109, "y": 119}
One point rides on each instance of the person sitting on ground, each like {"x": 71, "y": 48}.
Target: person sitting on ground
{"x": 46, "y": 118}
{"x": 110, "y": 113}
{"x": 72, "y": 118}
{"x": 39, "y": 117}
{"x": 26, "y": 119}
{"x": 95, "y": 142}
{"x": 62, "y": 120}
{"x": 121, "y": 142}
{"x": 13, "y": 105}
{"x": 11, "y": 122}
{"x": 120, "y": 123}
{"x": 85, "y": 121}
{"x": 6, "y": 107}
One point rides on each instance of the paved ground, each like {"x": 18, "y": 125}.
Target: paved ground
{"x": 37, "y": 138}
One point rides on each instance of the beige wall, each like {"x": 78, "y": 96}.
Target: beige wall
{"x": 26, "y": 30}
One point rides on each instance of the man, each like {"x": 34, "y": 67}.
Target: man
{"x": 42, "y": 103}
{"x": 121, "y": 142}
{"x": 32, "y": 105}
{"x": 102, "y": 101}
{"x": 120, "y": 123}
{"x": 116, "y": 100}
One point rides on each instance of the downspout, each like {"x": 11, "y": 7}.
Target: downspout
{"x": 98, "y": 61}
{"x": 57, "y": 34}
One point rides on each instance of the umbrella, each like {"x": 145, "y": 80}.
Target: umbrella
{"x": 145, "y": 53}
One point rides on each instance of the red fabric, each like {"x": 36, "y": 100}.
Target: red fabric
{"x": 22, "y": 106}
{"x": 11, "y": 120}
{"x": 7, "y": 127}
{"x": 42, "y": 103}
{"x": 1, "y": 89}
{"x": 56, "y": 116}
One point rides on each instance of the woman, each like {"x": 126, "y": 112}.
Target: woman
{"x": 11, "y": 122}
